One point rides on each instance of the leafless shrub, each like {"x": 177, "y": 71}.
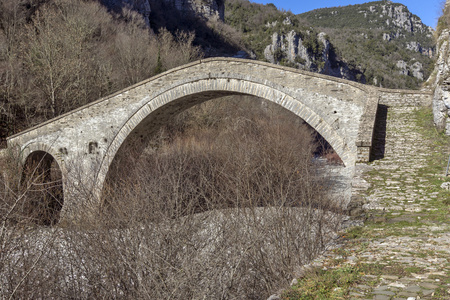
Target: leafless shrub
{"x": 32, "y": 192}
{"x": 226, "y": 212}
{"x": 24, "y": 205}
{"x": 228, "y": 33}
{"x": 236, "y": 206}
{"x": 176, "y": 50}
{"x": 57, "y": 55}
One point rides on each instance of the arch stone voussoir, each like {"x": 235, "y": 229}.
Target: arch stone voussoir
{"x": 27, "y": 149}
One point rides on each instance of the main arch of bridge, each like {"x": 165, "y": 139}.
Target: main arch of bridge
{"x": 343, "y": 112}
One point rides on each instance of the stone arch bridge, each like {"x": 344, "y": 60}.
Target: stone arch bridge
{"x": 342, "y": 111}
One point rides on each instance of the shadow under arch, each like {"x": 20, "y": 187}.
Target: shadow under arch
{"x": 42, "y": 180}
{"x": 173, "y": 99}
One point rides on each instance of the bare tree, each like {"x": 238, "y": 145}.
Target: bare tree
{"x": 56, "y": 55}
{"x": 176, "y": 50}
{"x": 136, "y": 50}
{"x": 58, "y": 52}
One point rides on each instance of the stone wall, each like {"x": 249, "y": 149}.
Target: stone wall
{"x": 405, "y": 97}
{"x": 364, "y": 141}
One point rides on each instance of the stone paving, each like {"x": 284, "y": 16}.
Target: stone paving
{"x": 404, "y": 248}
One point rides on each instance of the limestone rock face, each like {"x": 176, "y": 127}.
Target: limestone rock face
{"x": 402, "y": 65}
{"x": 377, "y": 30}
{"x": 290, "y": 49}
{"x": 415, "y": 69}
{"x": 417, "y": 47}
{"x": 209, "y": 9}
{"x": 399, "y": 16}
{"x": 398, "y": 20}
{"x": 414, "y": 46}
{"x": 441, "y": 84}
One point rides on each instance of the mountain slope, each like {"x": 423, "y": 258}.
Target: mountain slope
{"x": 282, "y": 38}
{"x": 391, "y": 46}
{"x": 379, "y": 43}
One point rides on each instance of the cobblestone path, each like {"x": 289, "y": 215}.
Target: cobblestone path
{"x": 403, "y": 251}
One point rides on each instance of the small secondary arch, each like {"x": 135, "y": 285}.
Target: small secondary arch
{"x": 42, "y": 182}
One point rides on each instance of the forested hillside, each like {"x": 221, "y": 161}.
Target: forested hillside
{"x": 391, "y": 46}
{"x": 56, "y": 55}
{"x": 61, "y": 54}
{"x": 281, "y": 37}
{"x": 379, "y": 43}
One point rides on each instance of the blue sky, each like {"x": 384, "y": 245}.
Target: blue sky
{"x": 428, "y": 10}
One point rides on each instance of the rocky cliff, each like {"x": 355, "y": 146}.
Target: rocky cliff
{"x": 440, "y": 80}
{"x": 208, "y": 9}
{"x": 400, "y": 21}
{"x": 394, "y": 19}
{"x": 308, "y": 51}
{"x": 384, "y": 39}
{"x": 379, "y": 43}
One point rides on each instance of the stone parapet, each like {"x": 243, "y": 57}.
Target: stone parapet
{"x": 393, "y": 97}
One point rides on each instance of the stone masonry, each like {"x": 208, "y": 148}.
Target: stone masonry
{"x": 84, "y": 142}
{"x": 404, "y": 249}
